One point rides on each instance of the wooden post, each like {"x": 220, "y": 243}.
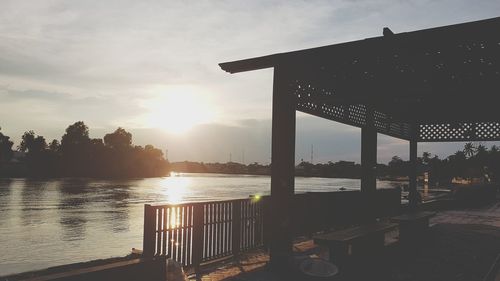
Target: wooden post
{"x": 282, "y": 170}
{"x": 412, "y": 196}
{"x": 266, "y": 222}
{"x": 369, "y": 154}
{"x": 198, "y": 226}
{"x": 236, "y": 231}
{"x": 149, "y": 239}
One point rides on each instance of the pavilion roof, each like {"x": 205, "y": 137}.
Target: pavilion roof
{"x": 438, "y": 84}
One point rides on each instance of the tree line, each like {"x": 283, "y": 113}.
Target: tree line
{"x": 78, "y": 155}
{"x": 473, "y": 161}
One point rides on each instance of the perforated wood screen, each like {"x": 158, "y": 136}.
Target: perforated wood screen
{"x": 314, "y": 101}
{"x": 483, "y": 131}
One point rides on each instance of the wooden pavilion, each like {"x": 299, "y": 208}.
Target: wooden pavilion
{"x": 433, "y": 85}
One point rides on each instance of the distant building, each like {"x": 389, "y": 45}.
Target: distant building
{"x": 459, "y": 180}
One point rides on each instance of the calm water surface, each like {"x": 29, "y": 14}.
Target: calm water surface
{"x": 46, "y": 223}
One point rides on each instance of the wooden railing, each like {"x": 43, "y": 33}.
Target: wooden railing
{"x": 196, "y": 233}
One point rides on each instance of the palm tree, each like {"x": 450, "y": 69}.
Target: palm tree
{"x": 481, "y": 149}
{"x": 469, "y": 149}
{"x": 494, "y": 149}
{"x": 481, "y": 154}
{"x": 426, "y": 156}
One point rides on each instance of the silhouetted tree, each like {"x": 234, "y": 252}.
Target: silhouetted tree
{"x": 76, "y": 150}
{"x": 481, "y": 152}
{"x": 426, "y": 156}
{"x": 39, "y": 159}
{"x": 76, "y": 135}
{"x": 494, "y": 149}
{"x": 54, "y": 146}
{"x": 32, "y": 144}
{"x": 397, "y": 167}
{"x": 5, "y": 147}
{"x": 119, "y": 139}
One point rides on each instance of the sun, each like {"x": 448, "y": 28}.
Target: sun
{"x": 177, "y": 109}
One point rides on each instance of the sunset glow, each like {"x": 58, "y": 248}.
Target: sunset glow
{"x": 177, "y": 109}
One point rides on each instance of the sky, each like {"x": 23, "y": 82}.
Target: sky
{"x": 151, "y": 67}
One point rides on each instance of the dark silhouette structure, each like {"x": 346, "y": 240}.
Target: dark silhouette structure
{"x": 433, "y": 85}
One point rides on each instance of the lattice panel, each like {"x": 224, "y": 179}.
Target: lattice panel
{"x": 320, "y": 102}
{"x": 357, "y": 114}
{"x": 482, "y": 131}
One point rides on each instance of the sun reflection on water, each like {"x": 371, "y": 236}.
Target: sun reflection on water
{"x": 175, "y": 189}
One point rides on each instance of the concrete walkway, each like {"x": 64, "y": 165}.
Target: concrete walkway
{"x": 489, "y": 215}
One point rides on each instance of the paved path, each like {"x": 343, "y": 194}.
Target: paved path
{"x": 489, "y": 215}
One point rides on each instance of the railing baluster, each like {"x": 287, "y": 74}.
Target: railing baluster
{"x": 216, "y": 229}
{"x": 168, "y": 231}
{"x": 164, "y": 231}
{"x": 212, "y": 230}
{"x": 187, "y": 244}
{"x": 226, "y": 249}
{"x": 205, "y": 230}
{"x": 158, "y": 231}
{"x": 183, "y": 240}
{"x": 190, "y": 240}
{"x": 209, "y": 233}
{"x": 177, "y": 234}
{"x": 219, "y": 226}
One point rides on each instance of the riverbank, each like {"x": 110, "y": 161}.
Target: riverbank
{"x": 23, "y": 170}
{"x": 66, "y": 268}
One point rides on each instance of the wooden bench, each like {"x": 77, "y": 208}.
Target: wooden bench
{"x": 355, "y": 241}
{"x": 412, "y": 226}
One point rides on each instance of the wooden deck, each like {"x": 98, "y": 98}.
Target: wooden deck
{"x": 252, "y": 265}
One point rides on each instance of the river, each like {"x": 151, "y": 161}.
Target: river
{"x": 52, "y": 222}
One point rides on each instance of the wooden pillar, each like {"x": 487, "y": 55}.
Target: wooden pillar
{"x": 197, "y": 235}
{"x": 282, "y": 170}
{"x": 236, "y": 231}
{"x": 149, "y": 236}
{"x": 412, "y": 196}
{"x": 368, "y": 154}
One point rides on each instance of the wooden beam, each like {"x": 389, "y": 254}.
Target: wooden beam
{"x": 413, "y": 196}
{"x": 368, "y": 154}
{"x": 282, "y": 170}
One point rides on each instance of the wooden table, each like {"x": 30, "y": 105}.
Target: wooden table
{"x": 359, "y": 240}
{"x": 412, "y": 226}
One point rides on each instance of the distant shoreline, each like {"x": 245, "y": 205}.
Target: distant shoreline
{"x": 384, "y": 178}
{"x": 173, "y": 174}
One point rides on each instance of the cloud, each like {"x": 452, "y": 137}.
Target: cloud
{"x": 64, "y": 61}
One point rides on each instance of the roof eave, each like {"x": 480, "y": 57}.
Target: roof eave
{"x": 249, "y": 64}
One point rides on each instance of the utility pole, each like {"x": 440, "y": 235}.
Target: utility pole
{"x": 243, "y": 156}
{"x": 312, "y": 154}
{"x": 230, "y": 157}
